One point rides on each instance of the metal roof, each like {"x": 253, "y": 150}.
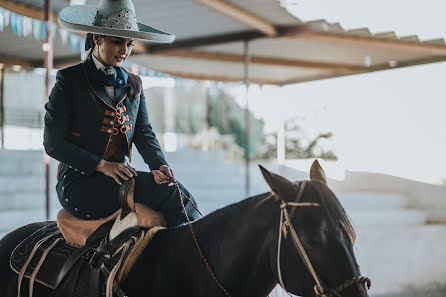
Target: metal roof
{"x": 210, "y": 36}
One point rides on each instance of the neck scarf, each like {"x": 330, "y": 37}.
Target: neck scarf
{"x": 110, "y": 76}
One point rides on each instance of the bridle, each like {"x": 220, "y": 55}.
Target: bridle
{"x": 285, "y": 223}
{"x": 318, "y": 288}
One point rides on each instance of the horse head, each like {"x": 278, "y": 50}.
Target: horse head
{"x": 314, "y": 255}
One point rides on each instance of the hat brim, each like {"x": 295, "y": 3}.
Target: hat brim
{"x": 79, "y": 18}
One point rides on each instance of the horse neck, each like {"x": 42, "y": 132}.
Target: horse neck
{"x": 239, "y": 241}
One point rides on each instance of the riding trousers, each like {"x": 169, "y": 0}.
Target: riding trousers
{"x": 95, "y": 196}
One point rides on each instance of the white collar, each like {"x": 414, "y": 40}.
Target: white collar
{"x": 98, "y": 64}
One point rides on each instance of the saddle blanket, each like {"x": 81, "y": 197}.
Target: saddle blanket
{"x": 43, "y": 255}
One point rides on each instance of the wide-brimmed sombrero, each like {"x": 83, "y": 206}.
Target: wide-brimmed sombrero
{"x": 111, "y": 17}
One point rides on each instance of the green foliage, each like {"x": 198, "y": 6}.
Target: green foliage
{"x": 295, "y": 147}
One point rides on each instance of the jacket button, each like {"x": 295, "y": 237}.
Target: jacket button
{"x": 82, "y": 172}
{"x": 76, "y": 209}
{"x": 111, "y": 122}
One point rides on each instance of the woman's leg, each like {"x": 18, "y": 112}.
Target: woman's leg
{"x": 90, "y": 197}
{"x": 165, "y": 199}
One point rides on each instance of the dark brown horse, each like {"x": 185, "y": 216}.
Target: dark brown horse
{"x": 240, "y": 242}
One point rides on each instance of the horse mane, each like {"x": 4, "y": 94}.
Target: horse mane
{"x": 230, "y": 209}
{"x": 333, "y": 209}
{"x": 330, "y": 205}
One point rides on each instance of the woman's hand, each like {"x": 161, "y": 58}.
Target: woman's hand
{"x": 163, "y": 175}
{"x": 116, "y": 170}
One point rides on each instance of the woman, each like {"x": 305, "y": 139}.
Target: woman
{"x": 97, "y": 110}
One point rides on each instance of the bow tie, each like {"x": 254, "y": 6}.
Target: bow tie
{"x": 110, "y": 76}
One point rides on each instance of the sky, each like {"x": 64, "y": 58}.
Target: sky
{"x": 390, "y": 121}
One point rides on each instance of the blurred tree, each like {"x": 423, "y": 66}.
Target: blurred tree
{"x": 295, "y": 147}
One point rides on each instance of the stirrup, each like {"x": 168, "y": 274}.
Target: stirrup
{"x": 127, "y": 218}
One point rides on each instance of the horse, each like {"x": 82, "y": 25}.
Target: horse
{"x": 244, "y": 249}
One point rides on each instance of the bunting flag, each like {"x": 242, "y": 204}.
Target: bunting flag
{"x": 63, "y": 35}
{"x": 13, "y": 21}
{"x": 24, "y": 26}
{"x": 74, "y": 40}
{"x": 53, "y": 29}
{"x": 2, "y": 19}
{"x": 37, "y": 29}
{"x": 6, "y": 15}
{"x": 19, "y": 21}
{"x": 27, "y": 26}
{"x": 44, "y": 32}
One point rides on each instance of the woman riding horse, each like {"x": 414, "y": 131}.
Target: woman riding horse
{"x": 97, "y": 110}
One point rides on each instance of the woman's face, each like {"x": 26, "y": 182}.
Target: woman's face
{"x": 112, "y": 51}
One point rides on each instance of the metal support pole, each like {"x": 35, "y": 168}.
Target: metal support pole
{"x": 246, "y": 80}
{"x": 48, "y": 60}
{"x": 2, "y": 103}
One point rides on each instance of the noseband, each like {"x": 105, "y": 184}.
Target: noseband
{"x": 285, "y": 223}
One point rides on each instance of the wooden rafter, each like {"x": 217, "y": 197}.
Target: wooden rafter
{"x": 218, "y": 78}
{"x": 32, "y": 12}
{"x": 240, "y": 15}
{"x": 373, "y": 43}
{"x": 367, "y": 70}
{"x": 231, "y": 58}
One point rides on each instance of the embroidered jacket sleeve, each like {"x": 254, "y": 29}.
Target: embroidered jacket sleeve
{"x": 145, "y": 138}
{"x": 57, "y": 125}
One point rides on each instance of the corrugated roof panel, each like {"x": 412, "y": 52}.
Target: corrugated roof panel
{"x": 387, "y": 35}
{"x": 185, "y": 18}
{"x": 412, "y": 38}
{"x": 230, "y": 71}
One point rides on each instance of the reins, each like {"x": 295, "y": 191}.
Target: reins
{"x": 209, "y": 268}
{"x": 285, "y": 222}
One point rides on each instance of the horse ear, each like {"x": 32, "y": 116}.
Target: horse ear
{"x": 317, "y": 173}
{"x": 278, "y": 184}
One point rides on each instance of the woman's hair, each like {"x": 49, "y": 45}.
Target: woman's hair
{"x": 133, "y": 80}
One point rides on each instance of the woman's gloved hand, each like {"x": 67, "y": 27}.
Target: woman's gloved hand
{"x": 163, "y": 175}
{"x": 116, "y": 170}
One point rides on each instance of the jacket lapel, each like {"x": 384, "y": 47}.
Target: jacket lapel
{"x": 99, "y": 89}
{"x": 120, "y": 93}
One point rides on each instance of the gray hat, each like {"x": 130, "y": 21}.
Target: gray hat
{"x": 111, "y": 17}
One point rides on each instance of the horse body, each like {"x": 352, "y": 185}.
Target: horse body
{"x": 240, "y": 243}
{"x": 240, "y": 258}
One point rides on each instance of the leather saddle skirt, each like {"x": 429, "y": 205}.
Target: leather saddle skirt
{"x": 46, "y": 258}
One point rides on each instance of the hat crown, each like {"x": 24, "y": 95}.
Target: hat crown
{"x": 110, "y": 7}
{"x": 116, "y": 14}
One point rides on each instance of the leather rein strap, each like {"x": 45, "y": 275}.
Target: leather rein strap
{"x": 285, "y": 222}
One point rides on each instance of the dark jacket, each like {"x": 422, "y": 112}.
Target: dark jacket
{"x": 79, "y": 120}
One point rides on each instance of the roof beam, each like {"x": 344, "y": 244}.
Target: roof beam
{"x": 231, "y": 58}
{"x": 367, "y": 70}
{"x": 240, "y": 15}
{"x": 351, "y": 40}
{"x": 31, "y": 12}
{"x": 218, "y": 78}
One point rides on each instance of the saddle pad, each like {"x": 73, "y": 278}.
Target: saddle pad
{"x": 49, "y": 271}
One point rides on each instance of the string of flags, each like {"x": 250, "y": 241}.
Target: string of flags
{"x": 24, "y": 26}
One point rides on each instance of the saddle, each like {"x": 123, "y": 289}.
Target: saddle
{"x": 85, "y": 258}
